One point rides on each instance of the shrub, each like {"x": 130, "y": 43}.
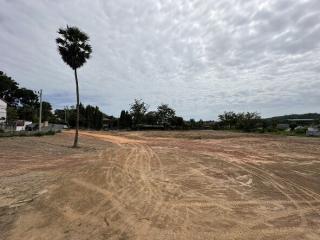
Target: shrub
{"x": 300, "y": 131}
{"x": 27, "y": 134}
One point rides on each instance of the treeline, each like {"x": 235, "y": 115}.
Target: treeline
{"x": 252, "y": 121}
{"x": 248, "y": 121}
{"x": 138, "y": 117}
{"x": 90, "y": 117}
{"x": 23, "y": 103}
{"x": 164, "y": 117}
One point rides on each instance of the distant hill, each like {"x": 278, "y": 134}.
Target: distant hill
{"x": 295, "y": 116}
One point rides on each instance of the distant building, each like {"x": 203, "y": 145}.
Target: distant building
{"x": 302, "y": 121}
{"x": 21, "y": 125}
{"x": 109, "y": 123}
{"x": 283, "y": 126}
{"x": 314, "y": 132}
{"x": 3, "y": 111}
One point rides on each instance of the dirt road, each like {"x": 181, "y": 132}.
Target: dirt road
{"x": 160, "y": 185}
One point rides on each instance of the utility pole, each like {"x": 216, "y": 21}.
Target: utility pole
{"x": 40, "y": 112}
{"x": 65, "y": 114}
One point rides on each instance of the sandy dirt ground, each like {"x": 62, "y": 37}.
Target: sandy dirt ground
{"x": 160, "y": 185}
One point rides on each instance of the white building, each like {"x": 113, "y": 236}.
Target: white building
{"x": 3, "y": 111}
{"x": 312, "y": 131}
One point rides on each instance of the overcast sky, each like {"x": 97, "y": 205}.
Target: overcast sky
{"x": 200, "y": 57}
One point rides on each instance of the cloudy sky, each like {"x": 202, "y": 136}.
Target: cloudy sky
{"x": 200, "y": 57}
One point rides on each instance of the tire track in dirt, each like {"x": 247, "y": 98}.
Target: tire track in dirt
{"x": 275, "y": 184}
{"x": 128, "y": 218}
{"x": 113, "y": 173}
{"x": 278, "y": 184}
{"x": 274, "y": 233}
{"x": 292, "y": 189}
{"x": 140, "y": 166}
{"x": 287, "y": 184}
{"x": 155, "y": 207}
{"x": 299, "y": 210}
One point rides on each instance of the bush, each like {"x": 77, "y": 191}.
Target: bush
{"x": 38, "y": 134}
{"x": 259, "y": 130}
{"x": 300, "y": 131}
{"x": 51, "y": 132}
{"x": 27, "y": 134}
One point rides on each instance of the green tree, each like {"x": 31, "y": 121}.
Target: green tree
{"x": 178, "y": 122}
{"x": 46, "y": 111}
{"x": 82, "y": 116}
{"x": 125, "y": 120}
{"x": 122, "y": 121}
{"x": 192, "y": 123}
{"x": 72, "y": 116}
{"x": 89, "y": 117}
{"x": 228, "y": 119}
{"x": 8, "y": 88}
{"x": 151, "y": 118}
{"x": 27, "y": 97}
{"x": 29, "y": 113}
{"x": 165, "y": 114}
{"x": 128, "y": 120}
{"x": 200, "y": 124}
{"x": 98, "y": 118}
{"x": 24, "y": 102}
{"x": 94, "y": 117}
{"x": 12, "y": 115}
{"x": 137, "y": 111}
{"x": 61, "y": 116}
{"x": 74, "y": 49}
{"x": 248, "y": 121}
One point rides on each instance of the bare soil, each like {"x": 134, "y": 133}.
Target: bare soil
{"x": 160, "y": 185}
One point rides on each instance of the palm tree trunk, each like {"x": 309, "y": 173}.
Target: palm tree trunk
{"x": 75, "y": 143}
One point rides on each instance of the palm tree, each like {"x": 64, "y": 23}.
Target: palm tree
{"x": 74, "y": 50}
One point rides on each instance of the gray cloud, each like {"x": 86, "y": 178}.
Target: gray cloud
{"x": 201, "y": 57}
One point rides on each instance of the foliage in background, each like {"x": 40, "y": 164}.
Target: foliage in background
{"x": 248, "y": 121}
{"x": 165, "y": 114}
{"x": 139, "y": 118}
{"x": 125, "y": 120}
{"x": 137, "y": 111}
{"x": 26, "y": 133}
{"x": 90, "y": 117}
{"x": 23, "y": 103}
{"x": 8, "y": 88}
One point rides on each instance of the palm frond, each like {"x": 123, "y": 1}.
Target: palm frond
{"x": 73, "y": 46}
